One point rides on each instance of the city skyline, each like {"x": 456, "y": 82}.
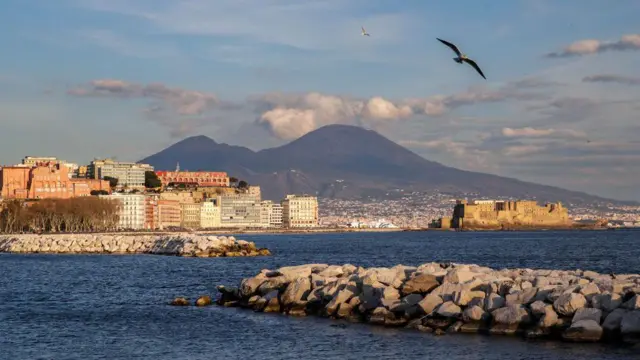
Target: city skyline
{"x": 116, "y": 79}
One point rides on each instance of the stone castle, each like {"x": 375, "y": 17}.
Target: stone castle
{"x": 500, "y": 214}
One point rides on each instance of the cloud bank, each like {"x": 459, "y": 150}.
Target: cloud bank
{"x": 609, "y": 78}
{"x": 591, "y": 46}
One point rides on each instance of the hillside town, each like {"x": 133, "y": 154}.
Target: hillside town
{"x": 154, "y": 200}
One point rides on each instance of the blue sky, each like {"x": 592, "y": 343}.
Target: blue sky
{"x": 92, "y": 78}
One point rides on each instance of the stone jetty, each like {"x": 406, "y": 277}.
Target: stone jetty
{"x": 579, "y": 306}
{"x": 180, "y": 244}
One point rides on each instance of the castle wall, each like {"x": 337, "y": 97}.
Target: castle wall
{"x": 508, "y": 213}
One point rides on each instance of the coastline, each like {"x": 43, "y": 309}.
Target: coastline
{"x": 573, "y": 306}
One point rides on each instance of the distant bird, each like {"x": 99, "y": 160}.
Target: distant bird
{"x": 364, "y": 32}
{"x": 462, "y": 57}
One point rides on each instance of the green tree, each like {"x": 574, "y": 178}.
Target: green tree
{"x": 113, "y": 181}
{"x": 151, "y": 180}
{"x": 233, "y": 180}
{"x": 99, "y": 192}
{"x": 243, "y": 184}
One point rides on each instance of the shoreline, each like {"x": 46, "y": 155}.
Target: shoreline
{"x": 233, "y": 231}
{"x": 572, "y": 306}
{"x": 185, "y": 245}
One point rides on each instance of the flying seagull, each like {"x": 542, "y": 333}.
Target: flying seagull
{"x": 364, "y": 32}
{"x": 462, "y": 57}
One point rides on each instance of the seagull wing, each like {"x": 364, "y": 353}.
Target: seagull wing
{"x": 475, "y": 66}
{"x": 363, "y": 31}
{"x": 453, "y": 47}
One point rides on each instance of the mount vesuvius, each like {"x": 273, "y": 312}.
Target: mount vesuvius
{"x": 342, "y": 161}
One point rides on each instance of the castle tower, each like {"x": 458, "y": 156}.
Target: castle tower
{"x": 178, "y": 166}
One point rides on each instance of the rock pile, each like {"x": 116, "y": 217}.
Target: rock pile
{"x": 168, "y": 244}
{"x": 571, "y": 305}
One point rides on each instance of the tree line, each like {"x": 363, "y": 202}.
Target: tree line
{"x": 81, "y": 214}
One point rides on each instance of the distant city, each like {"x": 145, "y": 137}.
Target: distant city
{"x": 180, "y": 199}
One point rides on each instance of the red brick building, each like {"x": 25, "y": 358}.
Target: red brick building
{"x": 199, "y": 178}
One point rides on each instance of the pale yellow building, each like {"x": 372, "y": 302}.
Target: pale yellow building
{"x": 191, "y": 215}
{"x": 209, "y": 215}
{"x": 300, "y": 211}
{"x": 271, "y": 214}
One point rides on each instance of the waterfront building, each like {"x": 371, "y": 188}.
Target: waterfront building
{"x": 300, "y": 211}
{"x": 151, "y": 219}
{"x": 130, "y": 175}
{"x": 271, "y": 214}
{"x": 132, "y": 212}
{"x": 169, "y": 214}
{"x": 210, "y": 215}
{"x": 191, "y": 215}
{"x": 239, "y": 210}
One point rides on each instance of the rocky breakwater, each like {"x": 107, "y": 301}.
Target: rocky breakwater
{"x": 448, "y": 298}
{"x": 190, "y": 245}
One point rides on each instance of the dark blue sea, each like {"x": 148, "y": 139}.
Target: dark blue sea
{"x": 115, "y": 307}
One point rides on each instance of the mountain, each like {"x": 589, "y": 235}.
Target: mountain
{"x": 342, "y": 161}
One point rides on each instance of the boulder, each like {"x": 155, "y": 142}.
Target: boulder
{"x": 430, "y": 303}
{"x": 296, "y": 292}
{"x": 583, "y": 330}
{"x": 449, "y": 309}
{"x": 420, "y": 284}
{"x": 606, "y": 302}
{"x": 458, "y": 275}
{"x": 613, "y": 321}
{"x": 630, "y": 324}
{"x": 203, "y": 301}
{"x": 474, "y": 313}
{"x": 464, "y": 297}
{"x": 493, "y": 302}
{"x": 180, "y": 301}
{"x": 343, "y": 296}
{"x": 511, "y": 315}
{"x": 587, "y": 314}
{"x": 567, "y": 304}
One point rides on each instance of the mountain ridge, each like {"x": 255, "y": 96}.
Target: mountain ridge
{"x": 344, "y": 161}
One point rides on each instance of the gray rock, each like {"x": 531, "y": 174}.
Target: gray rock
{"x": 474, "y": 313}
{"x": 633, "y": 303}
{"x": 493, "y": 302}
{"x": 584, "y": 331}
{"x": 630, "y": 324}
{"x": 430, "y": 302}
{"x": 511, "y": 315}
{"x": 296, "y": 291}
{"x": 587, "y": 314}
{"x": 606, "y": 302}
{"x": 449, "y": 309}
{"x": 568, "y": 303}
{"x": 420, "y": 284}
{"x": 613, "y": 321}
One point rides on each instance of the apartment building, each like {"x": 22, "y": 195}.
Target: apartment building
{"x": 209, "y": 215}
{"x": 33, "y": 161}
{"x": 169, "y": 214}
{"x": 130, "y": 175}
{"x": 271, "y": 214}
{"x": 240, "y": 210}
{"x": 151, "y": 220}
{"x": 300, "y": 211}
{"x": 191, "y": 214}
{"x": 132, "y": 213}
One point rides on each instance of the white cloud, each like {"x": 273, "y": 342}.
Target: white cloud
{"x": 532, "y": 132}
{"x": 593, "y": 46}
